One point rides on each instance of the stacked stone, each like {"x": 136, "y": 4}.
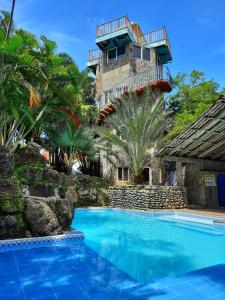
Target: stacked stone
{"x": 147, "y": 197}
{"x": 11, "y": 199}
{"x": 6, "y": 162}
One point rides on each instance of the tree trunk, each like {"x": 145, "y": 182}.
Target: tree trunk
{"x": 11, "y": 19}
{"x": 138, "y": 179}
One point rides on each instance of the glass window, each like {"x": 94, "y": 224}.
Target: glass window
{"x": 123, "y": 174}
{"x": 112, "y": 55}
{"x": 137, "y": 51}
{"x": 146, "y": 54}
{"x": 121, "y": 52}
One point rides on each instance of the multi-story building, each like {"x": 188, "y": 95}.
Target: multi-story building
{"x": 127, "y": 59}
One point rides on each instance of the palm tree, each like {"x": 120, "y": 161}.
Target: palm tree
{"x": 74, "y": 143}
{"x": 11, "y": 19}
{"x": 137, "y": 124}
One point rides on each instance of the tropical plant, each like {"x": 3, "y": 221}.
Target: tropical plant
{"x": 34, "y": 83}
{"x": 74, "y": 141}
{"x": 132, "y": 130}
{"x": 17, "y": 62}
{"x": 193, "y": 94}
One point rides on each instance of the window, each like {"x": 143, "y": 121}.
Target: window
{"x": 146, "y": 54}
{"x": 112, "y": 55}
{"x": 123, "y": 174}
{"x": 142, "y": 53}
{"x": 116, "y": 54}
{"x": 137, "y": 52}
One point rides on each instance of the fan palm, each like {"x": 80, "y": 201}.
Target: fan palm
{"x": 73, "y": 142}
{"x": 137, "y": 124}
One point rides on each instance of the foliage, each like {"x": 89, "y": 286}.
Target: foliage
{"x": 137, "y": 123}
{"x": 88, "y": 88}
{"x": 74, "y": 142}
{"x": 193, "y": 95}
{"x": 35, "y": 82}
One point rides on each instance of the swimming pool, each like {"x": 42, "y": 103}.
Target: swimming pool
{"x": 149, "y": 246}
{"x": 124, "y": 255}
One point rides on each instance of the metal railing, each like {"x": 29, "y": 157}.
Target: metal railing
{"x": 141, "y": 79}
{"x": 155, "y": 36}
{"x": 94, "y": 55}
{"x": 115, "y": 25}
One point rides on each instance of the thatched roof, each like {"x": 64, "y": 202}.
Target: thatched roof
{"x": 204, "y": 139}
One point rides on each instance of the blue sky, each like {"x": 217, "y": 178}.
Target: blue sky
{"x": 196, "y": 28}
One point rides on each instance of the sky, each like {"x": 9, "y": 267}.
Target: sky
{"x": 196, "y": 28}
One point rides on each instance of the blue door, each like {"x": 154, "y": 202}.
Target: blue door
{"x": 221, "y": 188}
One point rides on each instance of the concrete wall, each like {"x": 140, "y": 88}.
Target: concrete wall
{"x": 147, "y": 197}
{"x": 110, "y": 75}
{"x": 198, "y": 193}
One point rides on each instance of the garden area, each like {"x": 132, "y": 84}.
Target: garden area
{"x": 112, "y": 176}
{"x": 49, "y": 124}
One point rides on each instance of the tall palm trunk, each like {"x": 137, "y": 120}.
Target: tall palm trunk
{"x": 11, "y": 19}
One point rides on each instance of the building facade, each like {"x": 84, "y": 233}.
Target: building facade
{"x": 126, "y": 60}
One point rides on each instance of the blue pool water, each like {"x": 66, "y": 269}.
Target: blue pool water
{"x": 149, "y": 247}
{"x": 124, "y": 256}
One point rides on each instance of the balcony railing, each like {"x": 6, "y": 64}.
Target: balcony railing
{"x": 154, "y": 36}
{"x": 124, "y": 22}
{"x": 94, "y": 55}
{"x": 114, "y": 26}
{"x": 140, "y": 80}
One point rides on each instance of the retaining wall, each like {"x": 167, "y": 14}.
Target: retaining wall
{"x": 148, "y": 197}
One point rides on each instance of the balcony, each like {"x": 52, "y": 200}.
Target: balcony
{"x": 153, "y": 76}
{"x": 94, "y": 57}
{"x": 158, "y": 39}
{"x": 156, "y": 77}
{"x": 122, "y": 31}
{"x": 115, "y": 32}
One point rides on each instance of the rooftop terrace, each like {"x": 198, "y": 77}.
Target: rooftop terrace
{"x": 131, "y": 31}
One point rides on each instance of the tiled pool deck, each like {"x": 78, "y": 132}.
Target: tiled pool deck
{"x": 65, "y": 268}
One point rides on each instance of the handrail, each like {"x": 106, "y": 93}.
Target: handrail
{"x": 141, "y": 79}
{"x": 115, "y": 25}
{"x": 94, "y": 54}
{"x": 124, "y": 22}
{"x": 111, "y": 26}
{"x": 155, "y": 36}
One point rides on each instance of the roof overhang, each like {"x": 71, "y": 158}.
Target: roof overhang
{"x": 203, "y": 139}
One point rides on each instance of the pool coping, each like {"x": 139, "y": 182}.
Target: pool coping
{"x": 215, "y": 221}
{"x": 35, "y": 242}
{"x": 201, "y": 214}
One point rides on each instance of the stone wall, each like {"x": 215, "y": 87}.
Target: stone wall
{"x": 148, "y": 197}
